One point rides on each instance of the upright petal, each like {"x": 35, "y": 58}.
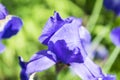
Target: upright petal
{"x": 84, "y": 35}
{"x": 87, "y": 70}
{"x": 115, "y": 36}
{"x": 3, "y": 11}
{"x": 69, "y": 33}
{"x": 53, "y": 24}
{"x": 12, "y": 27}
{"x": 39, "y": 62}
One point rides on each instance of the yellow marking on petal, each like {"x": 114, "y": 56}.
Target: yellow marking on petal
{"x": 3, "y": 22}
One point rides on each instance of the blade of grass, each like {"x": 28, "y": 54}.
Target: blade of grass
{"x": 111, "y": 59}
{"x": 95, "y": 14}
{"x": 99, "y": 38}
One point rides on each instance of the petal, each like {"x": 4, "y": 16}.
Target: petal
{"x": 87, "y": 70}
{"x": 39, "y": 65}
{"x": 12, "y": 27}
{"x": 3, "y": 22}
{"x": 113, "y": 5}
{"x": 109, "y": 77}
{"x": 23, "y": 75}
{"x": 64, "y": 54}
{"x": 94, "y": 69}
{"x": 101, "y": 52}
{"x": 115, "y": 36}
{"x": 53, "y": 24}
{"x": 39, "y": 62}
{"x": 84, "y": 35}
{"x": 69, "y": 33}
{"x": 2, "y": 48}
{"x": 82, "y": 71}
{"x": 3, "y": 11}
{"x": 109, "y": 4}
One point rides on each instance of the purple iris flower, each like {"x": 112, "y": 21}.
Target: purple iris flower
{"x": 9, "y": 25}
{"x": 115, "y": 36}
{"x": 113, "y": 5}
{"x": 99, "y": 52}
{"x": 65, "y": 40}
{"x": 3, "y": 12}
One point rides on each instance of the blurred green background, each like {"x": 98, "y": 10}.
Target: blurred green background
{"x": 35, "y": 14}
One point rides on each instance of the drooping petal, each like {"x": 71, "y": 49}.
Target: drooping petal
{"x": 2, "y": 47}
{"x": 64, "y": 54}
{"x": 109, "y": 77}
{"x": 3, "y": 23}
{"x": 87, "y": 70}
{"x": 23, "y": 75}
{"x": 12, "y": 27}
{"x": 94, "y": 69}
{"x": 82, "y": 71}
{"x": 53, "y": 24}
{"x": 39, "y": 62}
{"x": 3, "y": 11}
{"x": 115, "y": 36}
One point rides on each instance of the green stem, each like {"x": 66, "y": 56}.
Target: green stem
{"x": 111, "y": 59}
{"x": 99, "y": 37}
{"x": 95, "y": 14}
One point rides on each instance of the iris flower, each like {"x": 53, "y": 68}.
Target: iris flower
{"x": 65, "y": 40}
{"x": 99, "y": 52}
{"x": 115, "y": 36}
{"x": 9, "y": 25}
{"x": 113, "y": 5}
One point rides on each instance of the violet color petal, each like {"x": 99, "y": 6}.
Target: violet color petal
{"x": 3, "y": 11}
{"x": 113, "y": 5}
{"x": 100, "y": 52}
{"x": 2, "y": 48}
{"x": 64, "y": 54}
{"x": 39, "y": 62}
{"x": 94, "y": 69}
{"x": 109, "y": 77}
{"x": 115, "y": 36}
{"x": 52, "y": 25}
{"x": 12, "y": 27}
{"x": 109, "y": 4}
{"x": 69, "y": 33}
{"x": 82, "y": 71}
{"x": 87, "y": 70}
{"x": 23, "y": 75}
{"x": 84, "y": 35}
